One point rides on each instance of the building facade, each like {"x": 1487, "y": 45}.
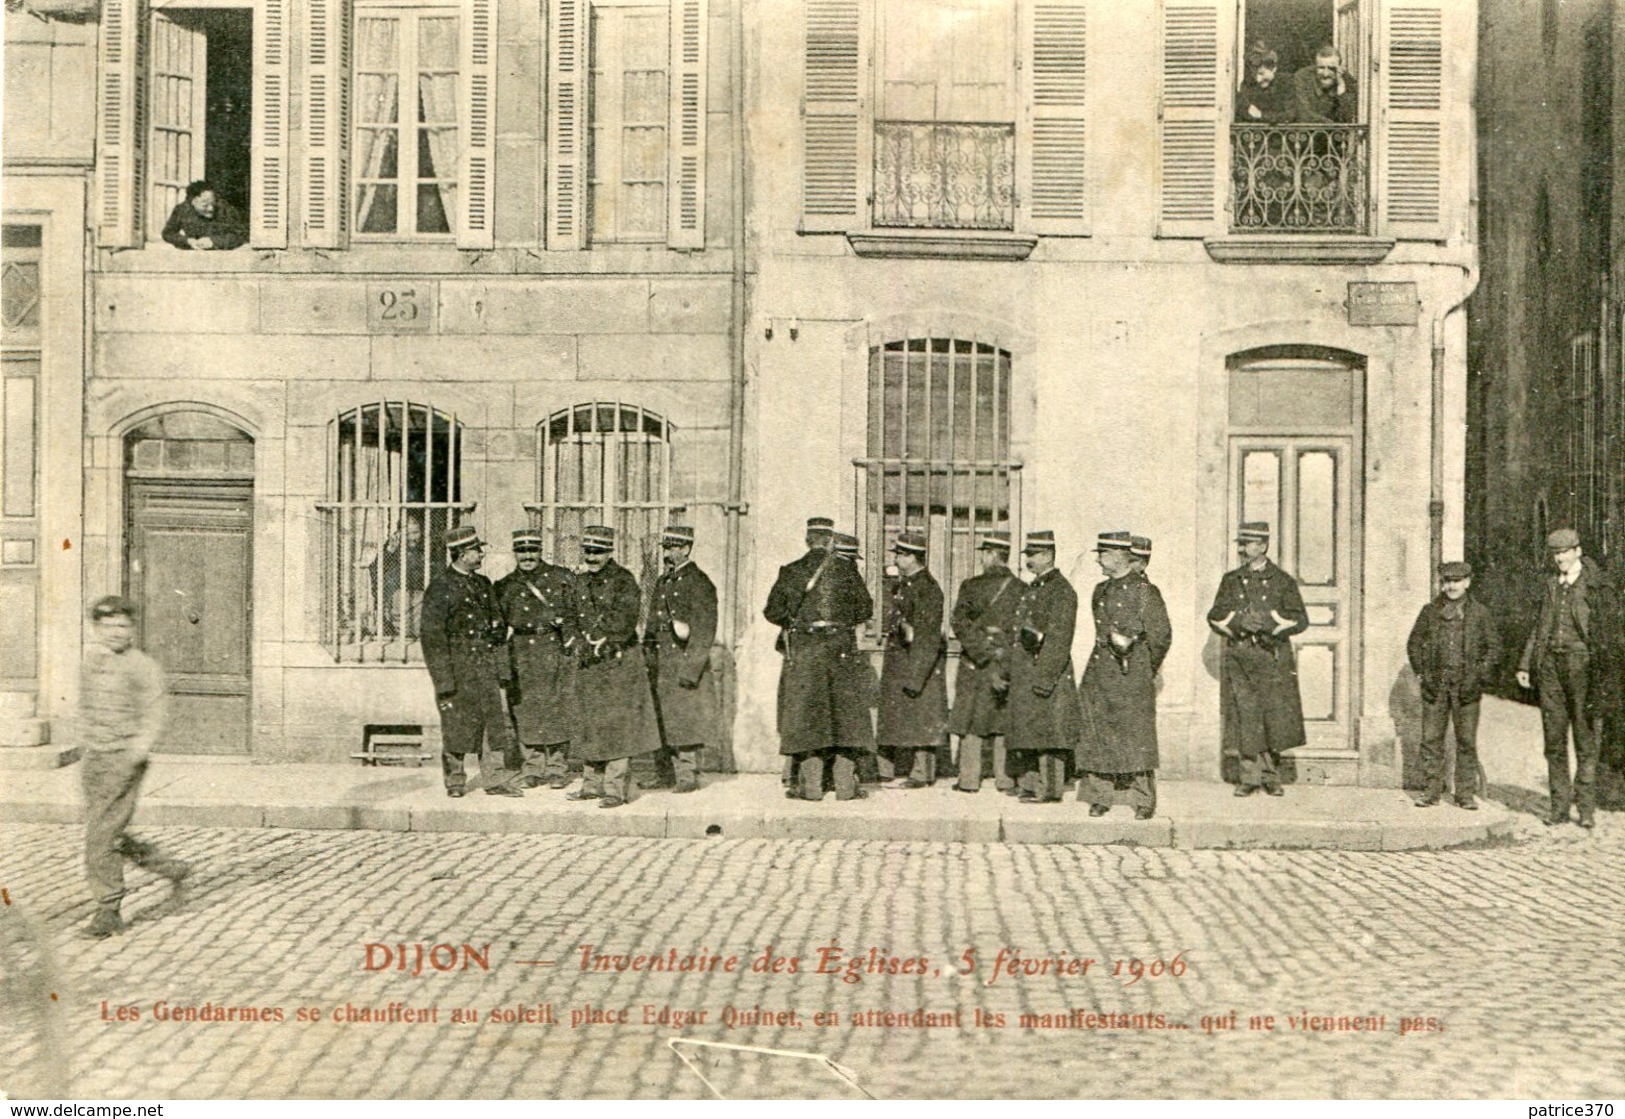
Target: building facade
{"x": 993, "y": 263}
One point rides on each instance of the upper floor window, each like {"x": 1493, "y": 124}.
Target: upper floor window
{"x": 630, "y": 108}
{"x": 975, "y": 119}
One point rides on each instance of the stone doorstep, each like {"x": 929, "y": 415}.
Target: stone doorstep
{"x": 36, "y": 755}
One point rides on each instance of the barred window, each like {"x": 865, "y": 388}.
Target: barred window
{"x": 395, "y": 478}
{"x": 939, "y": 455}
{"x": 609, "y": 463}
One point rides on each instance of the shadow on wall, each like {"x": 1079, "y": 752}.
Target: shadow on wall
{"x": 1405, "y": 709}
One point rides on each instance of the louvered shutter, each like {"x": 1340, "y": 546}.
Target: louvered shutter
{"x": 268, "y": 166}
{"x": 1192, "y": 141}
{"x": 121, "y": 125}
{"x": 1413, "y": 120}
{"x": 327, "y": 122}
{"x": 567, "y": 125}
{"x": 685, "y": 198}
{"x": 835, "y": 124}
{"x": 1053, "y": 153}
{"x": 474, "y": 222}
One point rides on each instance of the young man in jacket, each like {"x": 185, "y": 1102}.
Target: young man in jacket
{"x": 1454, "y": 650}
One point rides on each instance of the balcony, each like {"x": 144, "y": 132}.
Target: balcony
{"x": 1299, "y": 178}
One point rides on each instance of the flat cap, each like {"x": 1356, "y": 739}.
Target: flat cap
{"x": 1562, "y": 540}
{"x": 1456, "y": 569}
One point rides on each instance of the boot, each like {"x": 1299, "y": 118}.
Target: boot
{"x": 104, "y": 924}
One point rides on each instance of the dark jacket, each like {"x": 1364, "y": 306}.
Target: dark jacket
{"x": 1481, "y": 650}
{"x": 1313, "y": 105}
{"x": 463, "y": 634}
{"x": 684, "y": 689}
{"x": 1043, "y": 712}
{"x": 1273, "y": 102}
{"x": 1600, "y": 615}
{"x": 226, "y": 229}
{"x": 616, "y": 715}
{"x": 1119, "y": 690}
{"x": 913, "y": 687}
{"x": 540, "y": 610}
{"x": 984, "y": 622}
{"x": 816, "y": 601}
{"x": 1258, "y": 681}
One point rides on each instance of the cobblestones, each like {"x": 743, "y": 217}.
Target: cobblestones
{"x": 1515, "y": 952}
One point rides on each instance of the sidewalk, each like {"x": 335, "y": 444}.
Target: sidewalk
{"x": 211, "y": 792}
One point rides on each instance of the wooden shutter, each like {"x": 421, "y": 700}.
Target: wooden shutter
{"x": 121, "y": 125}
{"x": 835, "y": 124}
{"x": 327, "y": 123}
{"x": 1412, "y": 142}
{"x": 1192, "y": 139}
{"x": 477, "y": 210}
{"x": 567, "y": 125}
{"x": 177, "y": 113}
{"x": 1052, "y": 154}
{"x": 685, "y": 189}
{"x": 268, "y": 161}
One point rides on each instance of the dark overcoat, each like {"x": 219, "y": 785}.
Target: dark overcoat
{"x": 464, "y": 649}
{"x": 543, "y": 623}
{"x": 983, "y": 621}
{"x": 1258, "y": 678}
{"x": 685, "y": 687}
{"x": 615, "y": 712}
{"x": 1480, "y": 647}
{"x": 914, "y": 661}
{"x": 816, "y": 601}
{"x": 1119, "y": 689}
{"x": 1043, "y": 707}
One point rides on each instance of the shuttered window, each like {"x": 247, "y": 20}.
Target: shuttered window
{"x": 1189, "y": 181}
{"x": 1413, "y": 139}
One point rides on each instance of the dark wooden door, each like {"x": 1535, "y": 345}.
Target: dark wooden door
{"x": 189, "y": 569}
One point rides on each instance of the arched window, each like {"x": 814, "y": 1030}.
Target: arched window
{"x": 604, "y": 462}
{"x": 939, "y": 453}
{"x": 395, "y": 487}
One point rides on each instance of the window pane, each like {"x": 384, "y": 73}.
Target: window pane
{"x": 376, "y": 212}
{"x": 437, "y": 43}
{"x": 378, "y": 155}
{"x": 378, "y": 43}
{"x": 437, "y": 153}
{"x": 1261, "y": 488}
{"x": 377, "y": 99}
{"x": 1317, "y": 518}
{"x": 437, "y": 99}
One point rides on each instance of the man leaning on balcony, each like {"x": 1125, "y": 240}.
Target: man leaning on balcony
{"x": 1325, "y": 93}
{"x": 1262, "y": 99}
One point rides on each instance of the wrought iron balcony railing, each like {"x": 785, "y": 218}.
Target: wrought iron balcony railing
{"x": 931, "y": 175}
{"x": 1299, "y": 178}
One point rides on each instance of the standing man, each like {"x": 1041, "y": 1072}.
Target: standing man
{"x": 121, "y": 711}
{"x": 615, "y": 712}
{"x": 1257, "y": 610}
{"x": 1573, "y": 656}
{"x": 913, "y": 691}
{"x": 1454, "y": 650}
{"x": 1044, "y": 717}
{"x": 465, "y": 650}
{"x": 537, "y": 600}
{"x": 682, "y": 626}
{"x": 983, "y": 621}
{"x": 1119, "y": 689}
{"x": 816, "y": 601}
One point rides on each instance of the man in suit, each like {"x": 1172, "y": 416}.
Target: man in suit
{"x": 537, "y": 600}
{"x": 1454, "y": 650}
{"x": 1044, "y": 718}
{"x": 682, "y": 626}
{"x": 913, "y": 690}
{"x": 984, "y": 622}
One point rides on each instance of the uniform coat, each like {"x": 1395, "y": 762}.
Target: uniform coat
{"x": 1258, "y": 681}
{"x": 1119, "y": 696}
{"x": 465, "y": 650}
{"x": 615, "y": 712}
{"x": 685, "y": 689}
{"x": 540, "y": 610}
{"x": 913, "y": 662}
{"x": 1480, "y": 654}
{"x": 816, "y": 601}
{"x": 1048, "y": 607}
{"x": 984, "y": 622}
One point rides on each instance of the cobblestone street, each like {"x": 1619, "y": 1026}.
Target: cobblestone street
{"x": 1489, "y": 972}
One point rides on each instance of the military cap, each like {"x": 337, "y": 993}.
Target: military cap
{"x": 1110, "y": 541}
{"x": 1141, "y": 546}
{"x": 820, "y": 524}
{"x": 1042, "y": 540}
{"x": 527, "y": 540}
{"x": 1562, "y": 540}
{"x": 1456, "y": 569}
{"x": 463, "y": 536}
{"x": 598, "y": 538}
{"x": 112, "y": 606}
{"x": 994, "y": 538}
{"x": 677, "y": 534}
{"x": 914, "y": 543}
{"x": 846, "y": 545}
{"x": 1253, "y": 530}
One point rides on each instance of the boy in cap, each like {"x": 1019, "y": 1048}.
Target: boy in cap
{"x": 913, "y": 692}
{"x": 1454, "y": 650}
{"x": 984, "y": 621}
{"x": 121, "y": 711}
{"x": 682, "y": 626}
{"x": 537, "y": 599}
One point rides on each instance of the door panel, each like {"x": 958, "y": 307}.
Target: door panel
{"x": 190, "y": 559}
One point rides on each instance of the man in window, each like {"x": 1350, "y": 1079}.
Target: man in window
{"x": 1325, "y": 93}
{"x": 682, "y": 626}
{"x": 1257, "y": 610}
{"x": 984, "y": 621}
{"x": 913, "y": 692}
{"x": 538, "y": 604}
{"x": 1044, "y": 718}
{"x": 1119, "y": 689}
{"x": 203, "y": 221}
{"x": 615, "y": 711}
{"x": 465, "y": 649}
{"x": 816, "y": 601}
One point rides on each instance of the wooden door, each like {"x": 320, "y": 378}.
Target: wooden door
{"x": 188, "y": 568}
{"x": 1303, "y": 487}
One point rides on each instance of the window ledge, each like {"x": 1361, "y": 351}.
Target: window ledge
{"x": 1298, "y": 248}
{"x": 943, "y": 244}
